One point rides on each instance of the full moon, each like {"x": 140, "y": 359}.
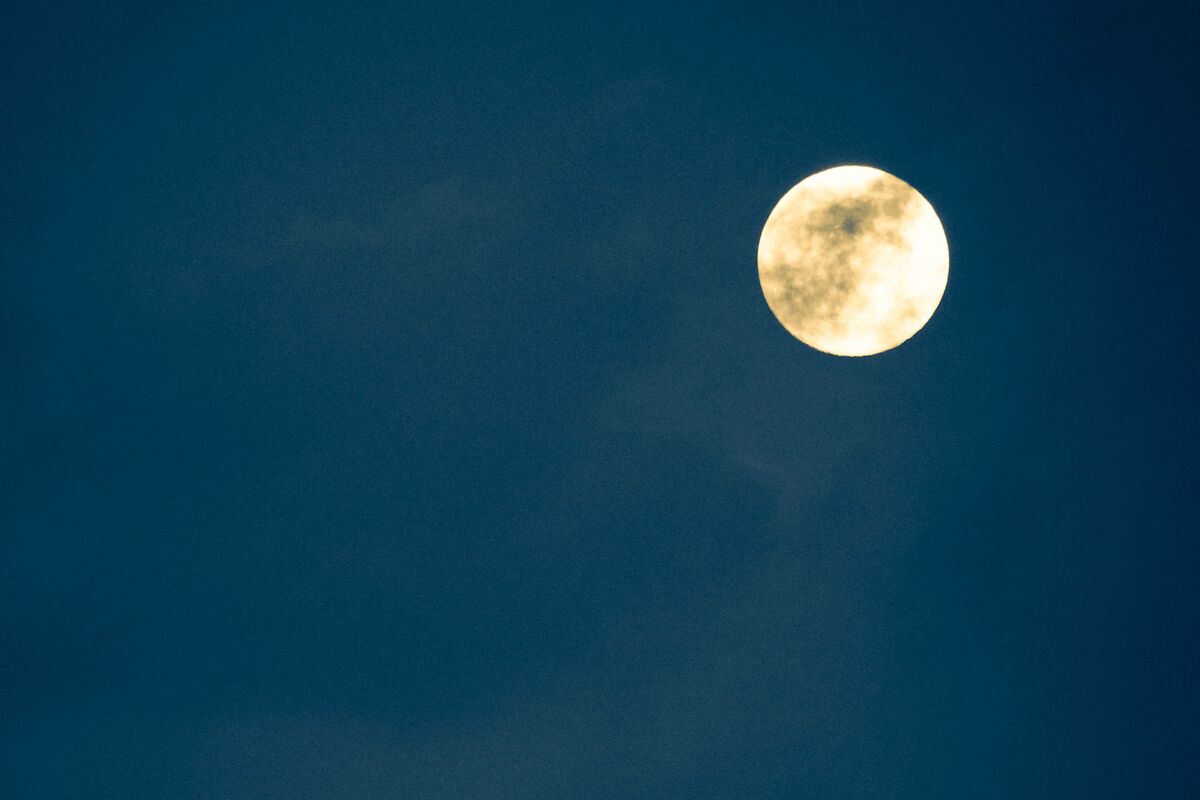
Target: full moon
{"x": 853, "y": 261}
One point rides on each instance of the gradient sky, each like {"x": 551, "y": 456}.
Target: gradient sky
{"x": 391, "y": 410}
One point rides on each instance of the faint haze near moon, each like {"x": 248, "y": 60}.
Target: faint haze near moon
{"x": 853, "y": 261}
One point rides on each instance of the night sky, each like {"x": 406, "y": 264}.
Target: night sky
{"x": 389, "y": 407}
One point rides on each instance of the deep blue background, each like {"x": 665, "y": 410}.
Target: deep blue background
{"x": 390, "y": 410}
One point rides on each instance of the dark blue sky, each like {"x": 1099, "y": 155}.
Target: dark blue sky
{"x": 391, "y": 409}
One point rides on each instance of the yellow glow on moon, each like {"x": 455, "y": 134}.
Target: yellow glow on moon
{"x": 853, "y": 261}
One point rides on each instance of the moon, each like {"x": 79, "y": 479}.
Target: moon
{"x": 853, "y": 261}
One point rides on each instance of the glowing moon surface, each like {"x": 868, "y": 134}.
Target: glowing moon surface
{"x": 853, "y": 261}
